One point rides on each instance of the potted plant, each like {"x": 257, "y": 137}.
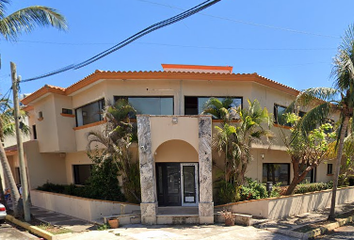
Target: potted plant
{"x": 229, "y": 218}
{"x": 113, "y": 222}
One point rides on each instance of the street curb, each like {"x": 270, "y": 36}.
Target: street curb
{"x": 315, "y": 232}
{"x": 30, "y": 228}
{"x": 329, "y": 227}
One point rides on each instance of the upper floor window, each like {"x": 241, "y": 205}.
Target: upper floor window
{"x": 195, "y": 105}
{"x": 89, "y": 113}
{"x": 279, "y": 115}
{"x": 155, "y": 105}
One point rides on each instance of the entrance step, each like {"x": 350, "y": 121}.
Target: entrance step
{"x": 177, "y": 219}
{"x": 177, "y": 211}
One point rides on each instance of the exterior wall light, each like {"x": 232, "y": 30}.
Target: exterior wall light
{"x": 174, "y": 120}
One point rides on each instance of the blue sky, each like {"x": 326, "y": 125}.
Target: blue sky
{"x": 292, "y": 42}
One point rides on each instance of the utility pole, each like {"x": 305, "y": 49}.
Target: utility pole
{"x": 23, "y": 173}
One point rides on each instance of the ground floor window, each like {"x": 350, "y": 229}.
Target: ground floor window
{"x": 82, "y": 173}
{"x": 329, "y": 168}
{"x": 310, "y": 176}
{"x": 276, "y": 172}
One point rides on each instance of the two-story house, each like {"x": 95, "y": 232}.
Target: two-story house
{"x": 175, "y": 141}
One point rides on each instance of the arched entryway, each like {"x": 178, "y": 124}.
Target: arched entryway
{"x": 177, "y": 174}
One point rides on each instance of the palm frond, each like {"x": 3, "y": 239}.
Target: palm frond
{"x": 25, "y": 20}
{"x": 3, "y": 4}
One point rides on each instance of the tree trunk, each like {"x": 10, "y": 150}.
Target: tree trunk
{"x": 337, "y": 169}
{"x": 2, "y": 195}
{"x": 296, "y": 180}
{"x": 15, "y": 196}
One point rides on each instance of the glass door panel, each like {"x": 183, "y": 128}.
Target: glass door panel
{"x": 189, "y": 184}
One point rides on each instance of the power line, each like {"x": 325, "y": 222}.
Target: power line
{"x": 132, "y": 38}
{"x": 187, "y": 46}
{"x": 249, "y": 23}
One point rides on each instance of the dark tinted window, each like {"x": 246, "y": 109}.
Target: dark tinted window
{"x": 150, "y": 105}
{"x": 195, "y": 105}
{"x": 276, "y": 172}
{"x": 82, "y": 173}
{"x": 89, "y": 113}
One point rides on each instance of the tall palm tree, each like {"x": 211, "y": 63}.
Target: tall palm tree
{"x": 26, "y": 19}
{"x": 7, "y": 127}
{"x": 11, "y": 26}
{"x": 338, "y": 99}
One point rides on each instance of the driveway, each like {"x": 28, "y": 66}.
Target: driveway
{"x": 10, "y": 233}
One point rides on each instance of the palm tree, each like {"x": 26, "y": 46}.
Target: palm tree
{"x": 11, "y": 26}
{"x": 222, "y": 110}
{"x": 115, "y": 139}
{"x": 338, "y": 99}
{"x": 26, "y": 19}
{"x": 235, "y": 138}
{"x": 7, "y": 128}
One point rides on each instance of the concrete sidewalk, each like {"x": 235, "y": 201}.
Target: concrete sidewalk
{"x": 57, "y": 219}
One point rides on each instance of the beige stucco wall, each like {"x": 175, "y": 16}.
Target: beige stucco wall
{"x": 47, "y": 132}
{"x": 175, "y": 151}
{"x": 89, "y": 94}
{"x": 162, "y": 130}
{"x": 65, "y": 132}
{"x": 44, "y": 167}
{"x": 322, "y": 175}
{"x": 81, "y": 137}
{"x": 75, "y": 158}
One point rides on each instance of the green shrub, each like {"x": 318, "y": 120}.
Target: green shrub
{"x": 51, "y": 187}
{"x": 312, "y": 187}
{"x": 253, "y": 190}
{"x": 225, "y": 192}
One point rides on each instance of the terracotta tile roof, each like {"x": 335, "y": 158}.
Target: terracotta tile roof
{"x": 168, "y": 75}
{"x": 42, "y": 91}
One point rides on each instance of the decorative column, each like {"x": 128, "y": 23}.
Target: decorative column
{"x": 206, "y": 204}
{"x": 148, "y": 205}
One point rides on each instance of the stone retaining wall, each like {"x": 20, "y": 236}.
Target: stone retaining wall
{"x": 84, "y": 208}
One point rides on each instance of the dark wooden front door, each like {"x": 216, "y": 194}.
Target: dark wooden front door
{"x": 168, "y": 184}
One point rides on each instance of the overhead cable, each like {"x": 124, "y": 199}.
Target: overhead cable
{"x": 132, "y": 38}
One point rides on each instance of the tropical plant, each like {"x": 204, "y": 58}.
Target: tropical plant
{"x": 26, "y": 19}
{"x": 338, "y": 99}
{"x": 114, "y": 142}
{"x": 306, "y": 149}
{"x": 222, "y": 110}
{"x": 233, "y": 139}
{"x": 103, "y": 182}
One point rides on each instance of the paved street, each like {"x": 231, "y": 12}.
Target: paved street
{"x": 10, "y": 233}
{"x": 345, "y": 232}
{"x": 205, "y": 232}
